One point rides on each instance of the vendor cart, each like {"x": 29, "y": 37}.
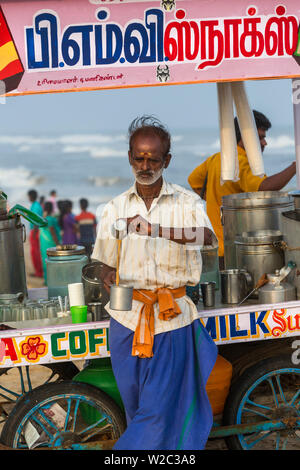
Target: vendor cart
{"x": 47, "y": 51}
{"x": 261, "y": 410}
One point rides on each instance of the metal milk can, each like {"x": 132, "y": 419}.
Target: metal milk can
{"x": 247, "y": 212}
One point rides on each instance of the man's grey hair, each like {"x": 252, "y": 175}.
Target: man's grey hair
{"x": 149, "y": 125}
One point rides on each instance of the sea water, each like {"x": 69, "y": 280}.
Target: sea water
{"x": 95, "y": 166}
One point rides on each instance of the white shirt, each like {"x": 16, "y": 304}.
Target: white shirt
{"x": 149, "y": 263}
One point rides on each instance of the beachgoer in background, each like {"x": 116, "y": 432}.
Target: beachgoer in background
{"x": 87, "y": 226}
{"x": 34, "y": 240}
{"x": 206, "y": 178}
{"x": 68, "y": 224}
{"x": 49, "y": 236}
{"x": 42, "y": 201}
{"x": 53, "y": 198}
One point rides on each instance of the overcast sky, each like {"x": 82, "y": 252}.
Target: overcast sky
{"x": 99, "y": 111}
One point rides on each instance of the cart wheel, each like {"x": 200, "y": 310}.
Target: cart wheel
{"x": 63, "y": 415}
{"x": 269, "y": 390}
{"x": 16, "y": 381}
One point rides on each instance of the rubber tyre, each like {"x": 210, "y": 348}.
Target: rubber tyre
{"x": 243, "y": 384}
{"x": 55, "y": 391}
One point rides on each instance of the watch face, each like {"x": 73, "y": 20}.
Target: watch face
{"x": 120, "y": 225}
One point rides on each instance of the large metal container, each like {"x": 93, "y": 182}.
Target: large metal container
{"x": 291, "y": 236}
{"x": 259, "y": 253}
{"x": 248, "y": 212}
{"x": 12, "y": 263}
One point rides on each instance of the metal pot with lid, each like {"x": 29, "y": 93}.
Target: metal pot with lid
{"x": 246, "y": 212}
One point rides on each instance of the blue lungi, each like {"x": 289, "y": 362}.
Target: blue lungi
{"x": 166, "y": 403}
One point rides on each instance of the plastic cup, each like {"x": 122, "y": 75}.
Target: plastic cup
{"x": 79, "y": 313}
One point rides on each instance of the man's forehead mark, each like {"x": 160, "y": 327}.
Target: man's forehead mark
{"x": 144, "y": 153}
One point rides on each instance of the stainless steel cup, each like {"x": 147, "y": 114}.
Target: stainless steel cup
{"x": 121, "y": 297}
{"x": 235, "y": 285}
{"x": 208, "y": 293}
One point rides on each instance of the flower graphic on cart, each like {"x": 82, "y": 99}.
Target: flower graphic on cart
{"x": 33, "y": 348}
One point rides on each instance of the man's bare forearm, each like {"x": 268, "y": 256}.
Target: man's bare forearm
{"x": 279, "y": 180}
{"x": 184, "y": 236}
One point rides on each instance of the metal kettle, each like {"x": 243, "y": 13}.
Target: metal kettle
{"x": 277, "y": 288}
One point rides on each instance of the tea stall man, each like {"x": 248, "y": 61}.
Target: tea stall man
{"x": 161, "y": 354}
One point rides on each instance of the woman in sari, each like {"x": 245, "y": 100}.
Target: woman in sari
{"x": 68, "y": 224}
{"x": 49, "y": 236}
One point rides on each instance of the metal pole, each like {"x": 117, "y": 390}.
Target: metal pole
{"x": 264, "y": 426}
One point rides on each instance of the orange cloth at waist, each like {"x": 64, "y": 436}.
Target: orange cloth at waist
{"x": 168, "y": 308}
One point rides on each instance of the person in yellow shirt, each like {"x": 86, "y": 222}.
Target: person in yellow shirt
{"x": 205, "y": 179}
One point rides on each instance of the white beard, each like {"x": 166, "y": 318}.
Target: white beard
{"x": 149, "y": 180}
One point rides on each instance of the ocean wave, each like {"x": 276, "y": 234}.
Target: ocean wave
{"x": 94, "y": 152}
{"x": 90, "y": 138}
{"x": 19, "y": 177}
{"x": 107, "y": 181}
{"x": 66, "y": 139}
{"x": 64, "y": 143}
{"x": 284, "y": 143}
{"x": 281, "y": 142}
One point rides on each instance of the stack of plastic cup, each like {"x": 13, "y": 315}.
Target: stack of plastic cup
{"x": 77, "y": 303}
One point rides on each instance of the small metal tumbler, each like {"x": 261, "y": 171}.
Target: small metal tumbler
{"x": 121, "y": 297}
{"x": 208, "y": 293}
